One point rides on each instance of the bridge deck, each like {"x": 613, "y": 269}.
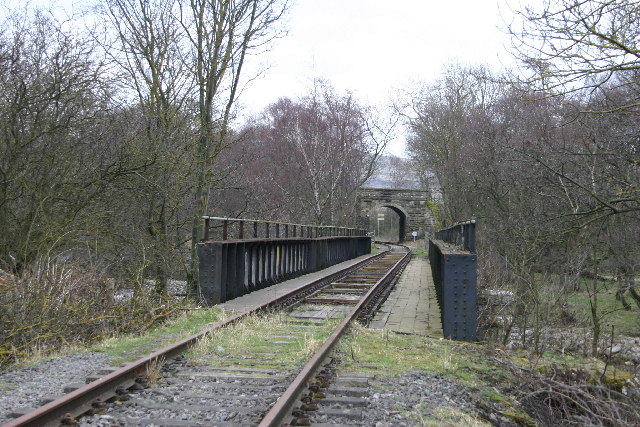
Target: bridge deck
{"x": 412, "y": 306}
{"x": 256, "y": 298}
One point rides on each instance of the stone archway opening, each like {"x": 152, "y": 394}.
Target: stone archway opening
{"x": 408, "y": 205}
{"x": 390, "y": 223}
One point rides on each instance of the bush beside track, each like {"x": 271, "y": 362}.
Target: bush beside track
{"x": 52, "y": 306}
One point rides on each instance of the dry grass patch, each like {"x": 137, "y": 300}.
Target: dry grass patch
{"x": 259, "y": 334}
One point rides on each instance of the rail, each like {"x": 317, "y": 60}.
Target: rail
{"x": 285, "y": 403}
{"x": 81, "y": 400}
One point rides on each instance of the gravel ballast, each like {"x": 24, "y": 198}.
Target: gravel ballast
{"x": 26, "y": 387}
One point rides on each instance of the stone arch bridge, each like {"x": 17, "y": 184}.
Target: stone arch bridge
{"x": 410, "y": 205}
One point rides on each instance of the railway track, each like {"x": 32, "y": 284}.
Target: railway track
{"x": 252, "y": 369}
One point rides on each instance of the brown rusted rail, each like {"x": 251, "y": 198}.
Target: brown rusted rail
{"x": 283, "y": 407}
{"x": 80, "y": 401}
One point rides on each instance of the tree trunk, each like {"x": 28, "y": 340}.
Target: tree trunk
{"x": 634, "y": 294}
{"x": 200, "y": 206}
{"x": 596, "y": 322}
{"x": 162, "y": 273}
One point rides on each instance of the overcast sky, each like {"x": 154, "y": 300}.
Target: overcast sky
{"x": 371, "y": 47}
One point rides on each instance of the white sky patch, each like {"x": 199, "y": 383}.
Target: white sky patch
{"x": 374, "y": 47}
{"x": 371, "y": 46}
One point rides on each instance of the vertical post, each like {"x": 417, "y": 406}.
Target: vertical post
{"x": 255, "y": 229}
{"x": 241, "y": 230}
{"x": 286, "y": 230}
{"x": 266, "y": 230}
{"x": 207, "y": 223}
{"x": 294, "y": 231}
{"x": 470, "y": 239}
{"x": 277, "y": 230}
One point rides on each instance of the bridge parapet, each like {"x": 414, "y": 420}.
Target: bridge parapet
{"x": 230, "y": 268}
{"x": 454, "y": 267}
{"x": 221, "y": 228}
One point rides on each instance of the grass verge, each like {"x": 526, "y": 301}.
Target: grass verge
{"x": 627, "y": 322}
{"x": 134, "y": 346}
{"x": 487, "y": 372}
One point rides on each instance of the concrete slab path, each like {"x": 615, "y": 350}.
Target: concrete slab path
{"x": 412, "y": 307}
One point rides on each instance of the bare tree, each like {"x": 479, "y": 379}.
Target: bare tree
{"x": 189, "y": 57}
{"x": 323, "y": 147}
{"x": 220, "y": 34}
{"x": 440, "y": 114}
{"x": 572, "y": 44}
{"x": 53, "y": 162}
{"x": 147, "y": 51}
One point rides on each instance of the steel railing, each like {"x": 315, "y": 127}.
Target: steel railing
{"x": 462, "y": 234}
{"x": 223, "y": 228}
{"x": 238, "y": 256}
{"x": 454, "y": 268}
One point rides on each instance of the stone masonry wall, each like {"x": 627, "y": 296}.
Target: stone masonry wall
{"x": 410, "y": 203}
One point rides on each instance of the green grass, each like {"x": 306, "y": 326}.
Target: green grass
{"x": 626, "y": 322}
{"x": 390, "y": 354}
{"x": 451, "y": 417}
{"x": 420, "y": 252}
{"x": 479, "y": 367}
{"x": 394, "y": 353}
{"x": 131, "y": 347}
{"x": 7, "y": 386}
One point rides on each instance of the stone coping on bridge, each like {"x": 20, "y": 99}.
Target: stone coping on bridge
{"x": 412, "y": 307}
{"x": 254, "y": 299}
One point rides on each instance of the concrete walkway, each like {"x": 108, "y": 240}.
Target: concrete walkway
{"x": 412, "y": 306}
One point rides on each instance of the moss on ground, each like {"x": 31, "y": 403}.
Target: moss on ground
{"x": 132, "y": 347}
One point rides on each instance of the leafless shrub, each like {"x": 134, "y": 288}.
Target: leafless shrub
{"x": 576, "y": 397}
{"x": 54, "y": 305}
